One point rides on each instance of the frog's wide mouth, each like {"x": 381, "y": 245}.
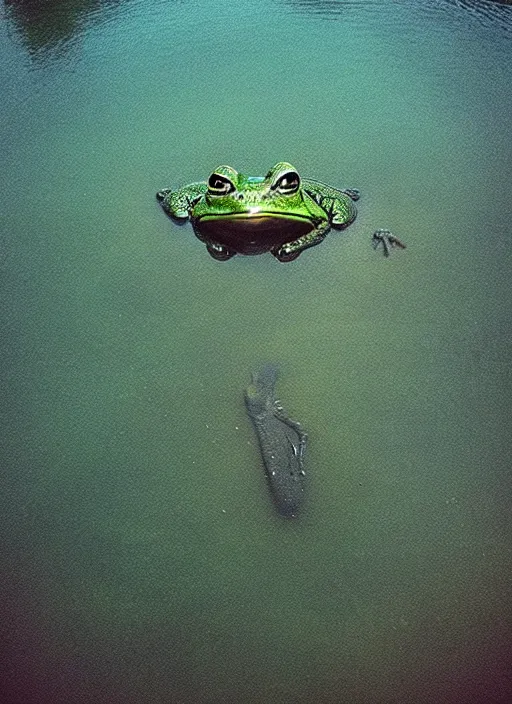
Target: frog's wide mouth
{"x": 254, "y": 214}
{"x": 253, "y": 231}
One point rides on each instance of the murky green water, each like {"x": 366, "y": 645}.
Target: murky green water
{"x": 143, "y": 559}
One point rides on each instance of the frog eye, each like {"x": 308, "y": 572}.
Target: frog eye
{"x": 219, "y": 185}
{"x": 288, "y": 183}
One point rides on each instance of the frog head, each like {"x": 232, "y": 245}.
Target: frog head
{"x": 252, "y": 214}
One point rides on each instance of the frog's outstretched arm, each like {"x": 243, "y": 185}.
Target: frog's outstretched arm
{"x": 179, "y": 203}
{"x": 291, "y": 250}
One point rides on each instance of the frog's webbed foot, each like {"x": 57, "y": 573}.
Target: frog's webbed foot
{"x": 388, "y": 241}
{"x": 217, "y": 251}
{"x": 161, "y": 194}
{"x": 353, "y": 193}
{"x": 165, "y": 197}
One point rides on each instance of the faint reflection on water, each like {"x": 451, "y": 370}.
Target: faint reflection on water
{"x": 491, "y": 13}
{"x": 52, "y": 27}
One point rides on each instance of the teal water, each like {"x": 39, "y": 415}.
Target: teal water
{"x": 143, "y": 561}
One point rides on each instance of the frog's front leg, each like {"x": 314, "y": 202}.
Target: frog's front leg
{"x": 291, "y": 250}
{"x": 388, "y": 241}
{"x": 178, "y": 204}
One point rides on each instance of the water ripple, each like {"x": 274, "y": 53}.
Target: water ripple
{"x": 493, "y": 15}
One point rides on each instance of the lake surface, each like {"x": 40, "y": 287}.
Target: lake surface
{"x": 143, "y": 560}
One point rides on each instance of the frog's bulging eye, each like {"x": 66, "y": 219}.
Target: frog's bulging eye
{"x": 288, "y": 183}
{"x": 219, "y": 185}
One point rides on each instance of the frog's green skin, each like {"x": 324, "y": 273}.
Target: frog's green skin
{"x": 281, "y": 213}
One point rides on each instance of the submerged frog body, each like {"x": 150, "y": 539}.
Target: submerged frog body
{"x": 279, "y": 213}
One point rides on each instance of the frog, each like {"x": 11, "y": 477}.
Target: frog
{"x": 281, "y": 213}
